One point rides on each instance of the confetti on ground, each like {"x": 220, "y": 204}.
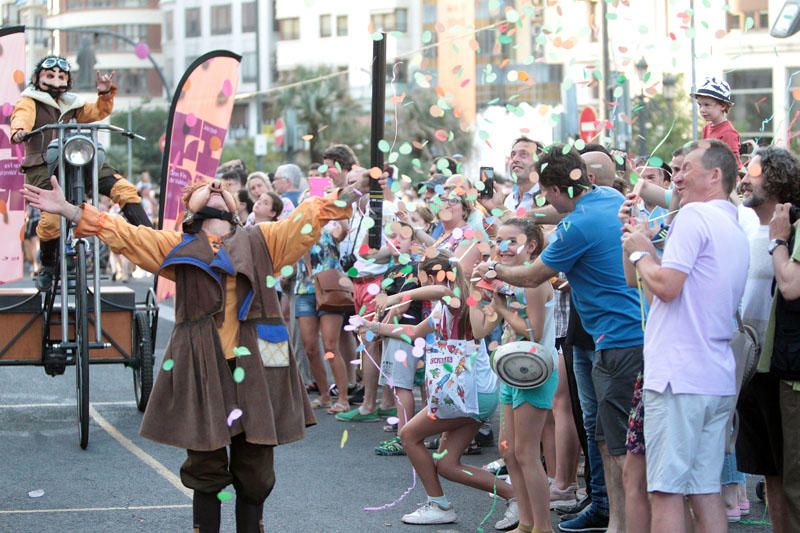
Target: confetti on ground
{"x": 168, "y": 365}
{"x": 38, "y": 493}
{"x": 344, "y": 439}
{"x": 392, "y": 420}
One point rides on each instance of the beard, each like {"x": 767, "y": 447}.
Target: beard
{"x": 754, "y": 200}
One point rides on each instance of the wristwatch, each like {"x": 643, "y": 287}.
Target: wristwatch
{"x": 774, "y": 243}
{"x": 635, "y": 257}
{"x": 491, "y": 273}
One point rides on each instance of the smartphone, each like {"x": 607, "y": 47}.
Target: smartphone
{"x": 389, "y": 170}
{"x": 487, "y": 178}
{"x": 318, "y": 186}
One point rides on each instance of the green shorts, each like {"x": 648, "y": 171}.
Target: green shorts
{"x": 487, "y": 404}
{"x": 540, "y": 397}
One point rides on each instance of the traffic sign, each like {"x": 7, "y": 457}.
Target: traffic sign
{"x": 280, "y": 131}
{"x": 588, "y": 124}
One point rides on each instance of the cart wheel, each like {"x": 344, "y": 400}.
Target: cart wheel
{"x": 82, "y": 343}
{"x": 143, "y": 364}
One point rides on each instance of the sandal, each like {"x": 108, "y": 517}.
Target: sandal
{"x": 338, "y": 407}
{"x": 316, "y": 403}
{"x": 390, "y": 447}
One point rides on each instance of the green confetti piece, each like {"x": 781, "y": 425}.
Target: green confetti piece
{"x": 646, "y": 77}
{"x": 224, "y": 496}
{"x": 386, "y": 283}
{"x": 643, "y": 29}
{"x": 368, "y": 222}
{"x": 287, "y": 271}
{"x": 393, "y": 158}
{"x": 467, "y": 472}
{"x": 439, "y": 455}
{"x": 598, "y": 74}
{"x": 271, "y": 282}
{"x": 618, "y": 91}
{"x": 580, "y": 144}
{"x": 611, "y": 16}
{"x": 384, "y": 146}
{"x": 565, "y": 150}
{"x": 405, "y": 148}
{"x": 297, "y": 217}
{"x": 404, "y": 259}
{"x": 505, "y": 39}
{"x": 406, "y": 338}
{"x": 306, "y": 229}
{"x": 241, "y": 351}
{"x": 570, "y": 191}
{"x": 634, "y": 177}
{"x": 416, "y": 163}
{"x": 340, "y": 203}
{"x": 427, "y": 36}
{"x": 448, "y": 367}
{"x": 749, "y": 23}
{"x": 655, "y": 161}
{"x": 619, "y": 159}
{"x": 540, "y": 200}
{"x": 621, "y": 79}
{"x": 238, "y": 375}
{"x": 168, "y": 365}
{"x": 352, "y": 272}
{"x": 377, "y": 36}
{"x": 512, "y": 16}
{"x": 323, "y": 168}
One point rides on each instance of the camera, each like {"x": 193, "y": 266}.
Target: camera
{"x": 347, "y": 261}
{"x": 794, "y": 214}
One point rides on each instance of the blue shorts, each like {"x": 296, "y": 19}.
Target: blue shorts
{"x": 541, "y": 397}
{"x": 306, "y": 305}
{"x": 487, "y": 404}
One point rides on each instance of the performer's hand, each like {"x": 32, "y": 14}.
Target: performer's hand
{"x": 104, "y": 82}
{"x": 52, "y": 201}
{"x": 19, "y": 136}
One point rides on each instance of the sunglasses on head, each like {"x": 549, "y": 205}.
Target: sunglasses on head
{"x": 59, "y": 62}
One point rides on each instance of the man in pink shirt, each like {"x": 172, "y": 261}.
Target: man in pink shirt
{"x": 690, "y": 371}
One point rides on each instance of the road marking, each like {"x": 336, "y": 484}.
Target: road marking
{"x": 96, "y": 509}
{"x": 145, "y": 457}
{"x": 34, "y": 405}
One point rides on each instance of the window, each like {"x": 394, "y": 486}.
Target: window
{"x": 249, "y": 68}
{"x": 249, "y": 17}
{"x": 132, "y": 81}
{"x": 341, "y": 26}
{"x": 396, "y": 20}
{"x": 751, "y": 91}
{"x": 220, "y": 20}
{"x": 756, "y": 10}
{"x": 288, "y": 29}
{"x": 193, "y": 24}
{"x": 168, "y": 25}
{"x": 107, "y": 43}
{"x": 324, "y": 25}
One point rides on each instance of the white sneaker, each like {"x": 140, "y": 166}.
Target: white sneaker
{"x": 510, "y": 519}
{"x": 502, "y": 477}
{"x": 430, "y": 513}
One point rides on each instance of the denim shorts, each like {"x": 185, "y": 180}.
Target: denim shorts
{"x": 306, "y": 305}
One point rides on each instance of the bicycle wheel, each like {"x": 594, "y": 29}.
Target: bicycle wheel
{"x": 82, "y": 342}
{"x": 143, "y": 364}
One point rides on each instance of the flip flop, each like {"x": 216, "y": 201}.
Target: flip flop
{"x": 338, "y": 408}
{"x": 316, "y": 403}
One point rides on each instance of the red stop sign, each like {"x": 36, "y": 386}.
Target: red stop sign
{"x": 588, "y": 124}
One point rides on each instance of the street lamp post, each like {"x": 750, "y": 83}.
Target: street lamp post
{"x": 670, "y": 82}
{"x": 641, "y": 113}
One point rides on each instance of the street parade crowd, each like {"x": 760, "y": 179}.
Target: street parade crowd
{"x": 598, "y": 317}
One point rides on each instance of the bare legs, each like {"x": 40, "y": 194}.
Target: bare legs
{"x": 612, "y": 466}
{"x": 528, "y": 423}
{"x": 331, "y": 326}
{"x": 637, "y": 504}
{"x": 566, "y": 435}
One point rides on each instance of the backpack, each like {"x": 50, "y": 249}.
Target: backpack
{"x": 746, "y": 352}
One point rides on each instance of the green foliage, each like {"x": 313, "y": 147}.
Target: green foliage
{"x": 150, "y": 123}
{"x": 326, "y": 111}
{"x": 659, "y": 114}
{"x": 244, "y": 149}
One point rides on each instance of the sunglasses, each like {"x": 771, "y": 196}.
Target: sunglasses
{"x": 59, "y": 62}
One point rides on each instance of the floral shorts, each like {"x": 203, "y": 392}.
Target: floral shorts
{"x": 634, "y": 439}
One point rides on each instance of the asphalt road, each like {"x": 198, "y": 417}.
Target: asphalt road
{"x": 124, "y": 483}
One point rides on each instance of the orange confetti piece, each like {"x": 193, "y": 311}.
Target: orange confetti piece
{"x": 503, "y": 445}
{"x": 504, "y": 63}
{"x": 431, "y": 416}
{"x": 375, "y": 172}
{"x": 19, "y": 77}
{"x": 329, "y": 356}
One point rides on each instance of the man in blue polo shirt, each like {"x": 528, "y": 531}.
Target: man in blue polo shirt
{"x": 587, "y": 248}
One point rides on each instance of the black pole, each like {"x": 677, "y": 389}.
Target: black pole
{"x": 376, "y": 135}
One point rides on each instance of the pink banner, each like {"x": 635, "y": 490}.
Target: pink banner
{"x": 199, "y": 118}
{"x": 12, "y": 205}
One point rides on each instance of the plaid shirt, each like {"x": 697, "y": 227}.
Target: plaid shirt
{"x": 562, "y": 310}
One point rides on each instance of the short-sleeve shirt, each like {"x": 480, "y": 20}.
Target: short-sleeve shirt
{"x": 725, "y": 132}
{"x": 586, "y": 247}
{"x": 401, "y": 278}
{"x": 687, "y": 339}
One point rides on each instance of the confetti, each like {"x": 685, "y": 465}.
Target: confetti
{"x": 271, "y": 282}
{"x": 38, "y": 493}
{"x": 287, "y": 271}
{"x": 344, "y": 439}
{"x": 306, "y": 229}
{"x": 238, "y": 375}
{"x": 168, "y": 365}
{"x": 234, "y": 415}
{"x": 439, "y": 455}
{"x": 241, "y": 351}
{"x": 392, "y": 420}
{"x": 224, "y": 496}
{"x": 329, "y": 356}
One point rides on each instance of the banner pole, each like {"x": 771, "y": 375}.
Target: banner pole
{"x": 376, "y": 135}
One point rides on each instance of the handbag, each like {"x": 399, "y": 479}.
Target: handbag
{"x": 450, "y": 379}
{"x": 333, "y": 290}
{"x": 746, "y": 351}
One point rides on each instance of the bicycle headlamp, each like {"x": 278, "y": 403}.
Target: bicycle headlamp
{"x": 78, "y": 151}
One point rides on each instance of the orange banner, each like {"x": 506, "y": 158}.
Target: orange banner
{"x": 198, "y": 122}
{"x": 12, "y": 205}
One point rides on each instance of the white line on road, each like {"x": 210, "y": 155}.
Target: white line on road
{"x": 145, "y": 457}
{"x": 34, "y": 405}
{"x": 96, "y": 509}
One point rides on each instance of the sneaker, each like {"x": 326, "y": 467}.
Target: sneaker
{"x": 430, "y": 513}
{"x": 485, "y": 436}
{"x": 587, "y": 520}
{"x": 584, "y": 501}
{"x": 391, "y": 447}
{"x": 432, "y": 443}
{"x": 354, "y": 415}
{"x": 391, "y": 411}
{"x": 44, "y": 279}
{"x": 494, "y": 466}
{"x": 562, "y": 499}
{"x": 744, "y": 507}
{"x": 504, "y": 477}
{"x": 357, "y": 396}
{"x": 510, "y": 520}
{"x": 734, "y": 515}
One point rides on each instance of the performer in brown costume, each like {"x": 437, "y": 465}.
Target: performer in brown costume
{"x": 229, "y": 378}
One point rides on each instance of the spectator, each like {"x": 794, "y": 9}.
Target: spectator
{"x": 521, "y": 162}
{"x": 288, "y": 182}
{"x": 690, "y": 380}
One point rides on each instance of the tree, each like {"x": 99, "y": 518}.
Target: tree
{"x": 325, "y": 111}
{"x": 659, "y": 113}
{"x": 147, "y": 155}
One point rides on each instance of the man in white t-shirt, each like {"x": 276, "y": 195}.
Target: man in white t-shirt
{"x": 689, "y": 368}
{"x": 771, "y": 176}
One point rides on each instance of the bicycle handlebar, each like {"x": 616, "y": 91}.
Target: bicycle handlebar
{"x": 81, "y": 127}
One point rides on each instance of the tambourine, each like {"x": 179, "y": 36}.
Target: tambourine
{"x": 523, "y": 364}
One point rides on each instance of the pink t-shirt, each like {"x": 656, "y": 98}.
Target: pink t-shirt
{"x": 725, "y": 132}
{"x": 686, "y": 341}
